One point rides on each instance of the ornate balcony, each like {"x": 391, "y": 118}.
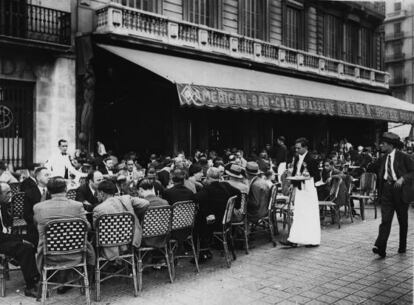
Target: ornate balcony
{"x": 117, "y": 19}
{"x": 396, "y": 15}
{"x": 21, "y": 20}
{"x": 394, "y": 36}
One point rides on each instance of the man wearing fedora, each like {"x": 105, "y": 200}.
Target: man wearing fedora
{"x": 259, "y": 193}
{"x": 395, "y": 177}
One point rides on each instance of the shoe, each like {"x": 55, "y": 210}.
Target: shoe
{"x": 30, "y": 292}
{"x": 288, "y": 243}
{"x": 311, "y": 246}
{"x": 402, "y": 250}
{"x": 379, "y": 251}
{"x": 63, "y": 289}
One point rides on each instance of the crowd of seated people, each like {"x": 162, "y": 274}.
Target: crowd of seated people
{"x": 132, "y": 184}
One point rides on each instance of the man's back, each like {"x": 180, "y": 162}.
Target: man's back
{"x": 59, "y": 207}
{"x": 257, "y": 199}
{"x": 121, "y": 204}
{"x": 178, "y": 193}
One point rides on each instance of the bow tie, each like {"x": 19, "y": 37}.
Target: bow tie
{"x": 64, "y": 154}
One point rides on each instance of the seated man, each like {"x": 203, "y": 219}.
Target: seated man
{"x": 146, "y": 190}
{"x": 158, "y": 187}
{"x": 59, "y": 207}
{"x": 87, "y": 193}
{"x": 178, "y": 192}
{"x": 328, "y": 172}
{"x": 259, "y": 193}
{"x": 19, "y": 247}
{"x": 212, "y": 200}
{"x": 110, "y": 204}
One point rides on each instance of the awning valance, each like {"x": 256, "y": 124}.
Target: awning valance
{"x": 206, "y": 84}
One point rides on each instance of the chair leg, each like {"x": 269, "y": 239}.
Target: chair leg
{"x": 246, "y": 236}
{"x": 3, "y": 285}
{"x": 86, "y": 284}
{"x": 226, "y": 250}
{"x": 97, "y": 282}
{"x": 134, "y": 275}
{"x": 171, "y": 251}
{"x": 194, "y": 252}
{"x": 338, "y": 216}
{"x": 231, "y": 244}
{"x": 271, "y": 229}
{"x": 6, "y": 269}
{"x": 139, "y": 271}
{"x": 170, "y": 268}
{"x": 362, "y": 208}
{"x": 44, "y": 286}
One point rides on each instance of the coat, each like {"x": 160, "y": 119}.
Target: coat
{"x": 311, "y": 165}
{"x": 213, "y": 198}
{"x": 59, "y": 207}
{"x": 257, "y": 199}
{"x": 31, "y": 197}
{"x": 404, "y": 167}
{"x": 126, "y": 203}
{"x": 27, "y": 184}
{"x": 178, "y": 193}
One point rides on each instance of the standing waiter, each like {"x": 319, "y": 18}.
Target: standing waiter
{"x": 395, "y": 175}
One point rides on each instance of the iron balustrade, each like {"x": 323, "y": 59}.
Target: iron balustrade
{"x": 122, "y": 20}
{"x": 18, "y": 19}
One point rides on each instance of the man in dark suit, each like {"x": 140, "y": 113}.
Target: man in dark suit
{"x": 212, "y": 200}
{"x": 178, "y": 192}
{"x": 29, "y": 182}
{"x": 303, "y": 159}
{"x": 395, "y": 176}
{"x": 280, "y": 151}
{"x": 19, "y": 247}
{"x": 34, "y": 195}
{"x": 87, "y": 193}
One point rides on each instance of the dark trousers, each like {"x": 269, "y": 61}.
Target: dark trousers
{"x": 391, "y": 202}
{"x": 25, "y": 256}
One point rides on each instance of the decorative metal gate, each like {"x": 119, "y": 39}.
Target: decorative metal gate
{"x": 16, "y": 122}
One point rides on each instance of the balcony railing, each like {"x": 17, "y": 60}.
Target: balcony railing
{"x": 395, "y": 57}
{"x": 398, "y": 81}
{"x": 114, "y": 18}
{"x": 394, "y": 36}
{"x": 27, "y": 21}
{"x": 396, "y": 15}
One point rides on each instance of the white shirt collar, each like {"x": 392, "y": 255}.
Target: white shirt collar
{"x": 92, "y": 190}
{"x": 41, "y": 188}
{"x": 392, "y": 154}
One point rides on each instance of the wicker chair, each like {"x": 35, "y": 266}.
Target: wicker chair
{"x": 242, "y": 224}
{"x": 65, "y": 237}
{"x": 156, "y": 224}
{"x": 15, "y": 187}
{"x": 366, "y": 191}
{"x": 183, "y": 218}
{"x": 224, "y": 236}
{"x": 115, "y": 230}
{"x": 71, "y": 194}
{"x": 17, "y": 205}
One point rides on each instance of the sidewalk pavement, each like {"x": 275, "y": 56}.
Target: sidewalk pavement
{"x": 343, "y": 270}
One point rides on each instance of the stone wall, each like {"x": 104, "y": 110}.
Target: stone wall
{"x": 54, "y": 114}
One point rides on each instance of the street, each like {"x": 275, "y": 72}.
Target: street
{"x": 343, "y": 270}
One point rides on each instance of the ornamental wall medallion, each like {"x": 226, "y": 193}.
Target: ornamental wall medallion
{"x": 6, "y": 117}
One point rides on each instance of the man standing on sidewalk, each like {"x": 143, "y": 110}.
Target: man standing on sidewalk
{"x": 395, "y": 176}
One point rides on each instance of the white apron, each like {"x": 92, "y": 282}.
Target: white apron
{"x": 306, "y": 227}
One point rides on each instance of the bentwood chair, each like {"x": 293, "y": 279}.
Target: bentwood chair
{"x": 224, "y": 235}
{"x": 183, "y": 218}
{"x": 17, "y": 204}
{"x": 366, "y": 191}
{"x": 240, "y": 222}
{"x": 156, "y": 229}
{"x": 71, "y": 194}
{"x": 266, "y": 223}
{"x": 115, "y": 230}
{"x": 330, "y": 204}
{"x": 65, "y": 237}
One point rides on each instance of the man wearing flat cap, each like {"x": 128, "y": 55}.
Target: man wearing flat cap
{"x": 395, "y": 177}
